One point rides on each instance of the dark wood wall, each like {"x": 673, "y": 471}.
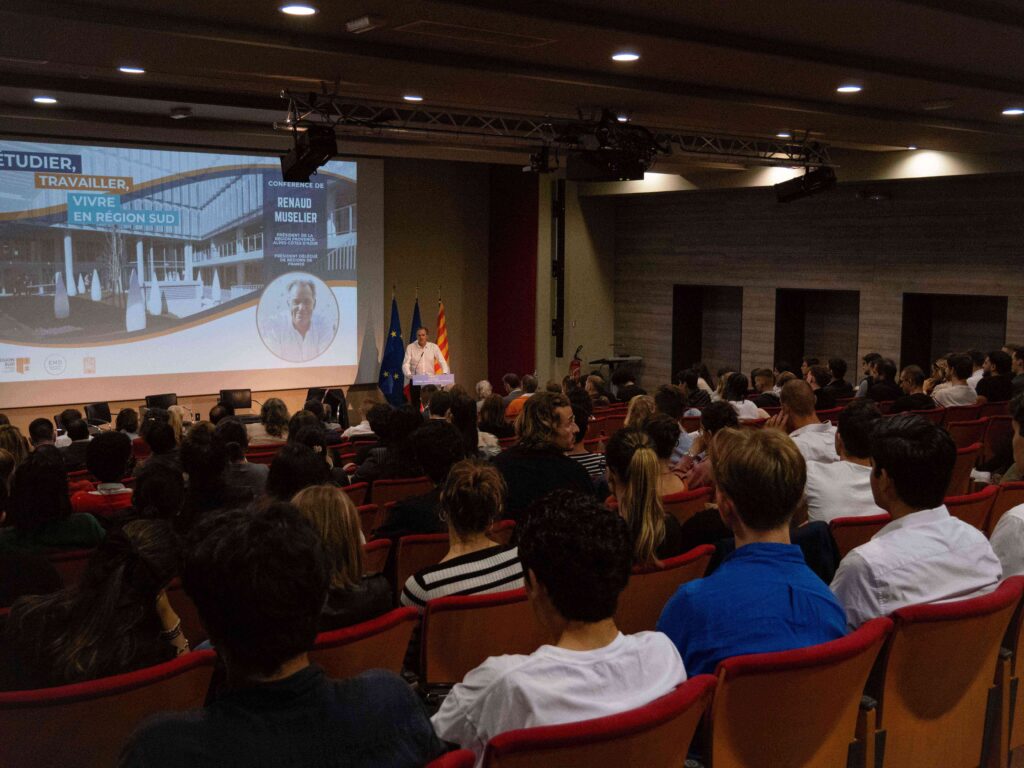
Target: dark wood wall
{"x": 952, "y": 235}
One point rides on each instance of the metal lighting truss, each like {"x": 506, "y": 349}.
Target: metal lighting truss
{"x": 601, "y": 131}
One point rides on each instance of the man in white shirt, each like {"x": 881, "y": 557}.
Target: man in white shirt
{"x": 419, "y": 361}
{"x": 1008, "y": 537}
{"x": 924, "y": 555}
{"x": 299, "y": 333}
{"x": 363, "y": 427}
{"x": 815, "y": 439}
{"x": 577, "y": 558}
{"x": 977, "y": 368}
{"x": 959, "y": 391}
{"x": 843, "y": 488}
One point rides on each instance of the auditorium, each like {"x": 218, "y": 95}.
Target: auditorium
{"x": 484, "y": 384}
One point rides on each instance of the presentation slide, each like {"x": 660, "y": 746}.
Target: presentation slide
{"x": 125, "y": 268}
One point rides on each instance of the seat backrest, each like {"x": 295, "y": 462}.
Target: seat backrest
{"x": 70, "y": 564}
{"x": 934, "y": 415}
{"x": 182, "y": 604}
{"x": 384, "y": 491}
{"x": 1014, "y": 641}
{"x": 417, "y": 552}
{"x": 86, "y": 724}
{"x": 501, "y": 531}
{"x": 375, "y": 555}
{"x": 999, "y": 433}
{"x": 999, "y": 408}
{"x": 657, "y": 734}
{"x": 685, "y": 504}
{"x": 831, "y": 415}
{"x": 936, "y": 671}
{"x": 649, "y": 589}
{"x": 966, "y": 433}
{"x": 460, "y": 758}
{"x": 752, "y": 423}
{"x": 1010, "y": 495}
{"x": 140, "y": 449}
{"x": 98, "y": 412}
{"x": 690, "y": 423}
{"x": 973, "y": 508}
{"x": 850, "y": 532}
{"x": 961, "y": 413}
{"x": 261, "y": 455}
{"x": 357, "y": 492}
{"x": 613, "y": 422}
{"x": 507, "y": 442}
{"x": 819, "y": 687}
{"x": 460, "y": 631}
{"x": 380, "y": 643}
{"x": 369, "y": 518}
{"x": 960, "y": 479}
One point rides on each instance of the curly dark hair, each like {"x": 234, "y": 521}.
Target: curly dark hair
{"x": 664, "y": 432}
{"x": 856, "y": 423}
{"x": 918, "y": 455}
{"x": 580, "y": 551}
{"x": 107, "y": 455}
{"x": 718, "y": 416}
{"x": 296, "y": 466}
{"x": 39, "y": 490}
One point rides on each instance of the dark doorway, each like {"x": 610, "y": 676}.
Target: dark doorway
{"x": 816, "y": 323}
{"x": 707, "y": 325}
{"x": 936, "y": 323}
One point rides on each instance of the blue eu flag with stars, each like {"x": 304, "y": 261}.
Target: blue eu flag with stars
{"x": 391, "y": 381}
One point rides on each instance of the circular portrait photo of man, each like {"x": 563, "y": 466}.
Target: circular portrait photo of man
{"x": 297, "y": 317}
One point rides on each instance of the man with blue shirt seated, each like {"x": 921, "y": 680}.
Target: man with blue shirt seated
{"x": 763, "y": 597}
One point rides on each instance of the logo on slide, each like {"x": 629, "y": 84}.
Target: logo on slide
{"x": 55, "y": 365}
{"x": 15, "y": 364}
{"x": 88, "y": 365}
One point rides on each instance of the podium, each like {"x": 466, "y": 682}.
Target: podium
{"x": 438, "y": 380}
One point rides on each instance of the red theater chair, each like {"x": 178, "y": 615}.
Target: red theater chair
{"x": 851, "y": 532}
{"x": 384, "y": 491}
{"x": 973, "y": 508}
{"x": 649, "y": 588}
{"x": 380, "y": 643}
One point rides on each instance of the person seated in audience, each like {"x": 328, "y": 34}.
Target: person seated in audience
{"x": 640, "y": 409}
{"x": 914, "y": 398}
{"x": 118, "y": 619}
{"x": 839, "y": 386}
{"x": 763, "y": 597}
{"x": 351, "y": 596}
{"x": 463, "y": 415}
{"x": 764, "y": 383}
{"x": 593, "y": 462}
{"x": 939, "y": 377}
{"x": 483, "y": 391}
{"x": 735, "y": 393}
{"x": 671, "y": 401}
{"x": 394, "y": 458}
{"x": 868, "y": 378}
{"x": 996, "y": 386}
{"x": 66, "y": 417}
{"x": 159, "y": 493}
{"x": 241, "y": 477}
{"x": 595, "y": 386}
{"x": 624, "y": 381}
{"x": 427, "y": 392}
{"x": 537, "y": 464}
{"x": 843, "y": 488}
{"x": 883, "y": 388}
{"x": 74, "y": 454}
{"x": 958, "y": 392}
{"x": 24, "y": 573}
{"x": 221, "y": 411}
{"x": 924, "y": 554}
{"x": 1017, "y": 369}
{"x": 577, "y": 558}
{"x": 437, "y": 446}
{"x": 107, "y": 457}
{"x": 439, "y": 405}
{"x": 7, "y": 466}
{"x": 272, "y": 428}
{"x": 815, "y": 439}
{"x": 529, "y": 385}
{"x": 806, "y": 364}
{"x": 633, "y": 477}
{"x": 474, "y": 565}
{"x": 315, "y": 437}
{"x": 127, "y": 421}
{"x": 159, "y": 436}
{"x": 492, "y": 418}
{"x": 204, "y": 460}
{"x": 378, "y": 417}
{"x": 1008, "y": 537}
{"x": 723, "y": 380}
{"x": 259, "y": 579}
{"x": 696, "y": 467}
{"x": 41, "y": 432}
{"x": 178, "y": 417}
{"x": 512, "y": 388}
{"x": 819, "y": 378}
{"x": 704, "y": 379}
{"x": 553, "y": 386}
{"x": 664, "y": 432}
{"x": 39, "y": 514}
{"x": 296, "y": 466}
{"x": 363, "y": 427}
{"x": 977, "y": 367}
{"x": 695, "y": 395}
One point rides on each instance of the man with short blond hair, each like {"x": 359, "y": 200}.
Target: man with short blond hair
{"x": 815, "y": 439}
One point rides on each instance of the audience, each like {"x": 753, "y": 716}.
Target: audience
{"x": 1008, "y": 537}
{"x": 996, "y": 386}
{"x": 363, "y": 427}
{"x": 204, "y": 460}
{"x": 978, "y": 368}
{"x": 868, "y": 363}
{"x": 762, "y": 597}
{"x": 463, "y": 415}
{"x": 177, "y": 417}
{"x": 512, "y": 388}
{"x": 577, "y": 557}
{"x": 735, "y": 393}
{"x": 957, "y": 391}
{"x": 529, "y": 385}
{"x": 924, "y": 554}
{"x": 593, "y": 462}
{"x": 492, "y": 418}
{"x": 696, "y": 465}
{"x": 1018, "y": 370}
{"x": 159, "y": 436}
{"x": 41, "y": 432}
{"x": 242, "y": 478}
{"x": 764, "y": 384}
{"x": 74, "y": 453}
{"x": 843, "y": 488}
{"x": 640, "y": 409}
{"x": 839, "y": 386}
{"x": 696, "y": 396}
{"x": 221, "y": 411}
{"x": 623, "y": 379}
{"x": 351, "y": 596}
{"x": 118, "y": 619}
{"x": 272, "y": 427}
{"x": 63, "y": 419}
{"x": 670, "y": 401}
{"x": 23, "y": 573}
{"x": 939, "y": 378}
{"x": 7, "y": 467}
{"x": 259, "y": 579}
{"x": 819, "y": 378}
{"x": 633, "y": 473}
{"x": 483, "y": 391}
{"x": 107, "y": 456}
{"x": 296, "y": 466}
{"x": 815, "y": 439}
{"x": 883, "y": 387}
{"x": 914, "y": 398}
{"x": 159, "y": 493}
{"x": 664, "y": 432}
{"x": 438, "y": 406}
{"x": 596, "y": 388}
{"x": 127, "y": 421}
{"x": 394, "y": 457}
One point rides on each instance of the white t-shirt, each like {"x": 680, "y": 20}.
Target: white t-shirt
{"x": 955, "y": 394}
{"x": 839, "y": 489}
{"x": 817, "y": 442}
{"x": 746, "y": 410}
{"x": 420, "y": 360}
{"x": 974, "y": 378}
{"x": 554, "y": 685}
{"x": 1008, "y": 541}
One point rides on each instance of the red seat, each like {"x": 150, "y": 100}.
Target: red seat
{"x": 613, "y": 422}
{"x": 885, "y": 407}
{"x": 685, "y": 504}
{"x": 380, "y": 643}
{"x": 70, "y": 564}
{"x": 998, "y": 434}
{"x": 384, "y": 491}
{"x": 370, "y": 518}
{"x": 654, "y": 735}
{"x": 140, "y": 449}
{"x": 507, "y": 442}
{"x": 966, "y": 433}
{"x": 960, "y": 479}
{"x": 649, "y": 588}
{"x": 460, "y": 758}
{"x": 85, "y": 724}
{"x": 357, "y": 492}
{"x": 999, "y": 408}
{"x": 182, "y": 604}
{"x": 691, "y": 423}
{"x": 1010, "y": 495}
{"x": 417, "y": 552}
{"x": 973, "y": 508}
{"x": 501, "y": 531}
{"x": 831, "y": 415}
{"x": 752, "y": 423}
{"x": 261, "y": 457}
{"x": 934, "y": 415}
{"x": 375, "y": 555}
{"x": 851, "y": 532}
{"x": 818, "y": 687}
{"x": 962, "y": 413}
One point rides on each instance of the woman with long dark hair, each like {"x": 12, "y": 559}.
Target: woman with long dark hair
{"x": 492, "y": 418}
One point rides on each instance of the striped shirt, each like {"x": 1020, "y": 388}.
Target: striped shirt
{"x": 495, "y": 569}
{"x": 594, "y": 463}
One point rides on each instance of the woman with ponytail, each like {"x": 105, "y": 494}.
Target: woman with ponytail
{"x": 633, "y": 471}
{"x": 118, "y": 619}
{"x": 240, "y": 474}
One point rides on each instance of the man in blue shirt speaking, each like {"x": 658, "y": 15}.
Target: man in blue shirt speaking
{"x": 763, "y": 597}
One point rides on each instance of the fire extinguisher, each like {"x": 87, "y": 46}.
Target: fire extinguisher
{"x": 576, "y": 364}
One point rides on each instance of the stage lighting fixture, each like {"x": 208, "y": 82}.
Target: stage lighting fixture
{"x": 604, "y": 165}
{"x": 811, "y": 183}
{"x": 313, "y": 148}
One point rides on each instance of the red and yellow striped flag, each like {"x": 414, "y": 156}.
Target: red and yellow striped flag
{"x": 442, "y": 337}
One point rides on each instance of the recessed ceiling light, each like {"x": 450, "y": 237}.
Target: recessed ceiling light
{"x": 1013, "y": 111}
{"x": 783, "y": 135}
{"x": 298, "y": 9}
{"x": 44, "y": 100}
{"x": 912, "y": 147}
{"x": 849, "y": 88}
{"x": 412, "y": 97}
{"x": 132, "y": 70}
{"x": 625, "y": 56}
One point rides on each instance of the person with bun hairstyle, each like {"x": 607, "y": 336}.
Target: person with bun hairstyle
{"x": 240, "y": 475}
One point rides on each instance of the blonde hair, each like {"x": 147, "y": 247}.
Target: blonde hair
{"x": 14, "y": 442}
{"x": 641, "y": 408}
{"x": 176, "y": 417}
{"x": 631, "y": 457}
{"x": 335, "y": 518}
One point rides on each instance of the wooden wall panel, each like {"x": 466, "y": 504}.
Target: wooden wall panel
{"x": 723, "y": 312}
{"x": 960, "y": 235}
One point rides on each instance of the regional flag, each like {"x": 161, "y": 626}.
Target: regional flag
{"x": 442, "y": 338}
{"x": 391, "y": 378}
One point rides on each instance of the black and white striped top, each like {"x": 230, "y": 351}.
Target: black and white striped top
{"x": 495, "y": 569}
{"x": 594, "y": 463}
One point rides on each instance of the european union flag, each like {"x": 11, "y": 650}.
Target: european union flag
{"x": 391, "y": 380}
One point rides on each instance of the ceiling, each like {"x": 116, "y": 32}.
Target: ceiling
{"x": 935, "y": 73}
